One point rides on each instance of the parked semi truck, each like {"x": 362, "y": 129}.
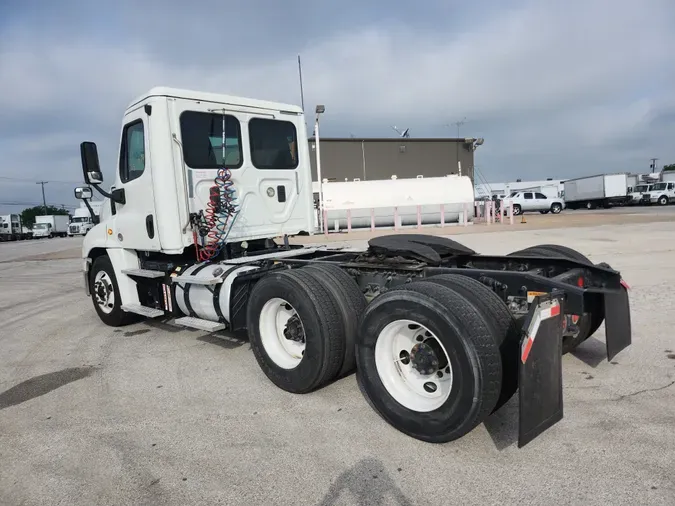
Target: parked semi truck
{"x": 603, "y": 190}
{"x": 52, "y": 225}
{"x": 11, "y": 228}
{"x": 83, "y": 221}
{"x": 209, "y": 191}
{"x": 660, "y": 193}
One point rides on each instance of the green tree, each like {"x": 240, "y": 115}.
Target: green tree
{"x": 28, "y": 215}
{"x": 669, "y": 167}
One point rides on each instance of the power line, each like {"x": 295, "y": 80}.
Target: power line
{"x": 35, "y": 204}
{"x": 23, "y": 180}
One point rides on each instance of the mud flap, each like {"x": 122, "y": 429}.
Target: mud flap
{"x": 540, "y": 367}
{"x": 617, "y": 321}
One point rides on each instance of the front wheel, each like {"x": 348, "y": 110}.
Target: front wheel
{"x": 105, "y": 294}
{"x": 517, "y": 210}
{"x": 556, "y": 208}
{"x": 663, "y": 200}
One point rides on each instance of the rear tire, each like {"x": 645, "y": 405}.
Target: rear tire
{"x": 499, "y": 319}
{"x": 517, "y": 210}
{"x": 350, "y": 300}
{"x": 556, "y": 208}
{"x": 296, "y": 330}
{"x": 588, "y": 323}
{"x": 468, "y": 358}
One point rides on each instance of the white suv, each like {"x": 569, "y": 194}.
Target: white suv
{"x": 535, "y": 201}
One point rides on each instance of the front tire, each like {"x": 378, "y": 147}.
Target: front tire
{"x": 105, "y": 294}
{"x": 427, "y": 362}
{"x": 517, "y": 210}
{"x": 556, "y": 208}
{"x": 663, "y": 200}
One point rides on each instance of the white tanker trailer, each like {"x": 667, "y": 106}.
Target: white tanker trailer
{"x": 382, "y": 200}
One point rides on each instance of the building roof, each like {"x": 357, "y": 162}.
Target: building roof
{"x": 392, "y": 139}
{"x": 162, "y": 91}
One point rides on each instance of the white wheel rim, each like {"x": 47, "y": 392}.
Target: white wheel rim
{"x": 274, "y": 320}
{"x": 104, "y": 294}
{"x": 404, "y": 382}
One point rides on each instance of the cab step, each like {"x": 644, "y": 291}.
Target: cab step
{"x": 198, "y": 323}
{"x": 150, "y": 312}
{"x": 143, "y": 273}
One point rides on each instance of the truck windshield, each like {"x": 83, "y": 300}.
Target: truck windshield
{"x": 659, "y": 186}
{"x": 641, "y": 188}
{"x": 80, "y": 219}
{"x": 40, "y": 226}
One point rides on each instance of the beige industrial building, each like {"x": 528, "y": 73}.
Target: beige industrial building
{"x": 380, "y": 158}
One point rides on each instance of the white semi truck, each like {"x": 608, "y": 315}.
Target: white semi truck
{"x": 11, "y": 228}
{"x": 83, "y": 221}
{"x": 208, "y": 191}
{"x": 52, "y": 225}
{"x": 603, "y": 190}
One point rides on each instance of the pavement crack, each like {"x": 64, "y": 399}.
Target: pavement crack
{"x": 632, "y": 394}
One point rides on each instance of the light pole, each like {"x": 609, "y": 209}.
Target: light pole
{"x": 320, "y": 109}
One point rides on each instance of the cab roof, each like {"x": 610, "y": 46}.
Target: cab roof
{"x": 163, "y": 91}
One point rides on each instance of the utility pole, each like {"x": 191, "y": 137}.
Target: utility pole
{"x": 653, "y": 164}
{"x": 44, "y": 200}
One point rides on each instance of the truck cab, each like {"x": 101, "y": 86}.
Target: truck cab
{"x": 661, "y": 193}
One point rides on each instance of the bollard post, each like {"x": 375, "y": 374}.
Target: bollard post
{"x": 488, "y": 212}
{"x": 349, "y": 220}
{"x": 325, "y": 222}
{"x": 442, "y": 215}
{"x": 502, "y": 212}
{"x": 510, "y": 213}
{"x": 396, "y": 218}
{"x": 337, "y": 225}
{"x": 466, "y": 216}
{"x": 372, "y": 219}
{"x": 419, "y": 217}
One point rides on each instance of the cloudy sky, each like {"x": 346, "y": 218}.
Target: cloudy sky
{"x": 556, "y": 88}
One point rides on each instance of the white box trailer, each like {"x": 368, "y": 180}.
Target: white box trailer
{"x": 52, "y": 225}
{"x": 603, "y": 190}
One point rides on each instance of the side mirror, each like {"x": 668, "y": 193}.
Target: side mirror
{"x": 90, "y": 165}
{"x": 83, "y": 193}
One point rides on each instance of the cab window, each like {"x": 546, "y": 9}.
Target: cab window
{"x": 132, "y": 154}
{"x": 274, "y": 144}
{"x": 202, "y": 138}
{"x": 528, "y": 196}
{"x": 540, "y": 196}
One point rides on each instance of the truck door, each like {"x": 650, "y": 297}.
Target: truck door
{"x": 528, "y": 201}
{"x": 541, "y": 201}
{"x": 134, "y": 224}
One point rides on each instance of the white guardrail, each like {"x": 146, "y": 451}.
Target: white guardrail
{"x": 484, "y": 212}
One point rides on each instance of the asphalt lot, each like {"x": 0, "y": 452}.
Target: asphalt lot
{"x": 153, "y": 414}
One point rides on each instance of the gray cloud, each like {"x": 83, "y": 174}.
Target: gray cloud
{"x": 560, "y": 89}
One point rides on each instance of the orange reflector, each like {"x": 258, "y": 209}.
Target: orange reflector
{"x": 625, "y": 285}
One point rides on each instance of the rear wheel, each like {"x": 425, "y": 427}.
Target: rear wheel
{"x": 556, "y": 208}
{"x": 296, "y": 330}
{"x": 588, "y": 323}
{"x": 517, "y": 210}
{"x": 502, "y": 324}
{"x": 427, "y": 362}
{"x": 350, "y": 300}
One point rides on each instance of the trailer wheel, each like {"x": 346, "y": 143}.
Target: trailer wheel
{"x": 427, "y": 362}
{"x": 105, "y": 294}
{"x": 588, "y": 323}
{"x": 296, "y": 331}
{"x": 350, "y": 300}
{"x": 498, "y": 317}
